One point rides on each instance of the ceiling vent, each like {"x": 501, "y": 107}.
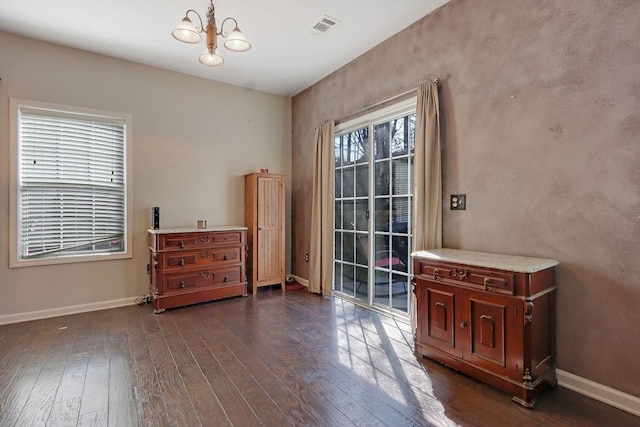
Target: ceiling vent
{"x": 323, "y": 25}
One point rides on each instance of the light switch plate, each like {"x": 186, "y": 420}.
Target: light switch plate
{"x": 458, "y": 202}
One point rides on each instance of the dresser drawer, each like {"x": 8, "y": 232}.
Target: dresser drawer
{"x": 202, "y": 279}
{"x": 473, "y": 277}
{"x": 188, "y": 260}
{"x": 188, "y": 241}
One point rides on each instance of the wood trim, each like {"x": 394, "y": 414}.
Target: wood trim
{"x": 64, "y": 311}
{"x": 600, "y": 392}
{"x": 299, "y": 279}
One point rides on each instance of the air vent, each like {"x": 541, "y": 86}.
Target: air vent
{"x": 323, "y": 25}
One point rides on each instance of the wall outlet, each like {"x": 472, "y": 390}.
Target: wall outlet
{"x": 306, "y": 257}
{"x": 458, "y": 202}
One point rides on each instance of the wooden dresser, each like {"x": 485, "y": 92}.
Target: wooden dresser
{"x": 195, "y": 265}
{"x": 489, "y": 316}
{"x": 264, "y": 215}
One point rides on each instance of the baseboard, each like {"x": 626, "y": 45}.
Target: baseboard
{"x": 63, "y": 311}
{"x": 603, "y": 393}
{"x": 299, "y": 279}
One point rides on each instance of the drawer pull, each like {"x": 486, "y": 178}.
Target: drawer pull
{"x": 487, "y": 282}
{"x": 440, "y": 304}
{"x": 205, "y": 274}
{"x": 204, "y": 239}
{"x": 485, "y": 317}
{"x": 225, "y": 279}
{"x": 436, "y": 274}
{"x": 204, "y": 254}
{"x": 463, "y": 325}
{"x": 181, "y": 244}
{"x": 182, "y": 284}
{"x": 181, "y": 261}
{"x": 224, "y": 258}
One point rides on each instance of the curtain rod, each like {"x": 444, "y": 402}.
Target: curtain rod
{"x": 373, "y": 106}
{"x": 436, "y": 80}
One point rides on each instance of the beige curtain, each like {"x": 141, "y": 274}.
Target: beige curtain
{"x": 322, "y": 212}
{"x": 427, "y": 184}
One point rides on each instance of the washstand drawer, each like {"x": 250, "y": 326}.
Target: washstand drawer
{"x": 180, "y": 241}
{"x": 185, "y": 260}
{"x": 472, "y": 277}
{"x": 202, "y": 279}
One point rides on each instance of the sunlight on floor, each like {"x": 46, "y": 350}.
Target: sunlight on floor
{"x": 378, "y": 349}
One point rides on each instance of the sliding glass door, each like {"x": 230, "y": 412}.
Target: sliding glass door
{"x": 373, "y": 204}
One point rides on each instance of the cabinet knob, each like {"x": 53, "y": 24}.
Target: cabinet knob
{"x": 225, "y": 279}
{"x": 463, "y": 325}
{"x": 436, "y": 274}
{"x": 182, "y": 284}
{"x": 487, "y": 282}
{"x": 224, "y": 258}
{"x": 181, "y": 261}
{"x": 182, "y": 244}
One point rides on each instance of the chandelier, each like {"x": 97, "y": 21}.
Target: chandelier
{"x": 186, "y": 32}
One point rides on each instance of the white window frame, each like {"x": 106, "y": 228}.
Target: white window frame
{"x": 16, "y": 106}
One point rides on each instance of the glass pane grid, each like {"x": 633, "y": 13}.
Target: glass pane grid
{"x": 391, "y": 174}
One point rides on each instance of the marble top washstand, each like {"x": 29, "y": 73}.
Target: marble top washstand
{"x": 514, "y": 263}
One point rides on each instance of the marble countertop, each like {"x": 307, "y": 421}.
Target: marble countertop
{"x": 514, "y": 263}
{"x": 198, "y": 230}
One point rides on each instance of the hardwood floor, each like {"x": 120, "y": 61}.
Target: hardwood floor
{"x": 271, "y": 359}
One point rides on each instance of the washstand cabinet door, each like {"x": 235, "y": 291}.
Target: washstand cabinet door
{"x": 442, "y": 306}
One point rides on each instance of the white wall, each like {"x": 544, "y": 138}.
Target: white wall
{"x": 193, "y": 139}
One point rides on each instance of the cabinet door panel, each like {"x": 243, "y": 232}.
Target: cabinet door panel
{"x": 441, "y": 319}
{"x": 487, "y": 331}
{"x": 269, "y": 222}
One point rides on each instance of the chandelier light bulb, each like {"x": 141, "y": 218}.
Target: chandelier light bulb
{"x": 186, "y": 32}
{"x": 237, "y": 42}
{"x": 211, "y": 59}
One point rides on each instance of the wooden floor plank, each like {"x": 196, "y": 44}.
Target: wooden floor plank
{"x": 64, "y": 413}
{"x": 274, "y": 358}
{"x": 95, "y": 393}
{"x": 258, "y": 400}
{"x": 38, "y": 406}
{"x": 179, "y": 409}
{"x": 180, "y": 338}
{"x": 286, "y": 400}
{"x": 122, "y": 406}
{"x": 323, "y": 375}
{"x": 150, "y": 407}
{"x": 98, "y": 418}
{"x": 236, "y": 408}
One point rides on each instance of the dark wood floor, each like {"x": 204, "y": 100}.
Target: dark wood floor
{"x": 273, "y": 359}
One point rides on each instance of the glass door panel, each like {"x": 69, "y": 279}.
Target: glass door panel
{"x": 393, "y": 148}
{"x": 373, "y": 203}
{"x": 351, "y": 215}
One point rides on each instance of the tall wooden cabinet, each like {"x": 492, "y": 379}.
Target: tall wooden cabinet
{"x": 264, "y": 214}
{"x": 489, "y": 316}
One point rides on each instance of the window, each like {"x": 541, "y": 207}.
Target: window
{"x": 373, "y": 207}
{"x": 70, "y": 181}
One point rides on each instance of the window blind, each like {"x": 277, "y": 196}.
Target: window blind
{"x": 71, "y": 185}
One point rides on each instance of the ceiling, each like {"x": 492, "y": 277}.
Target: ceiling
{"x": 285, "y": 57}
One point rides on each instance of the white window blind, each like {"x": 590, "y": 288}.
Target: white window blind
{"x": 71, "y": 197}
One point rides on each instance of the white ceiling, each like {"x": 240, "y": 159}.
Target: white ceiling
{"x": 285, "y": 57}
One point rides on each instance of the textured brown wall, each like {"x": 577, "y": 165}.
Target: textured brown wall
{"x": 541, "y": 114}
